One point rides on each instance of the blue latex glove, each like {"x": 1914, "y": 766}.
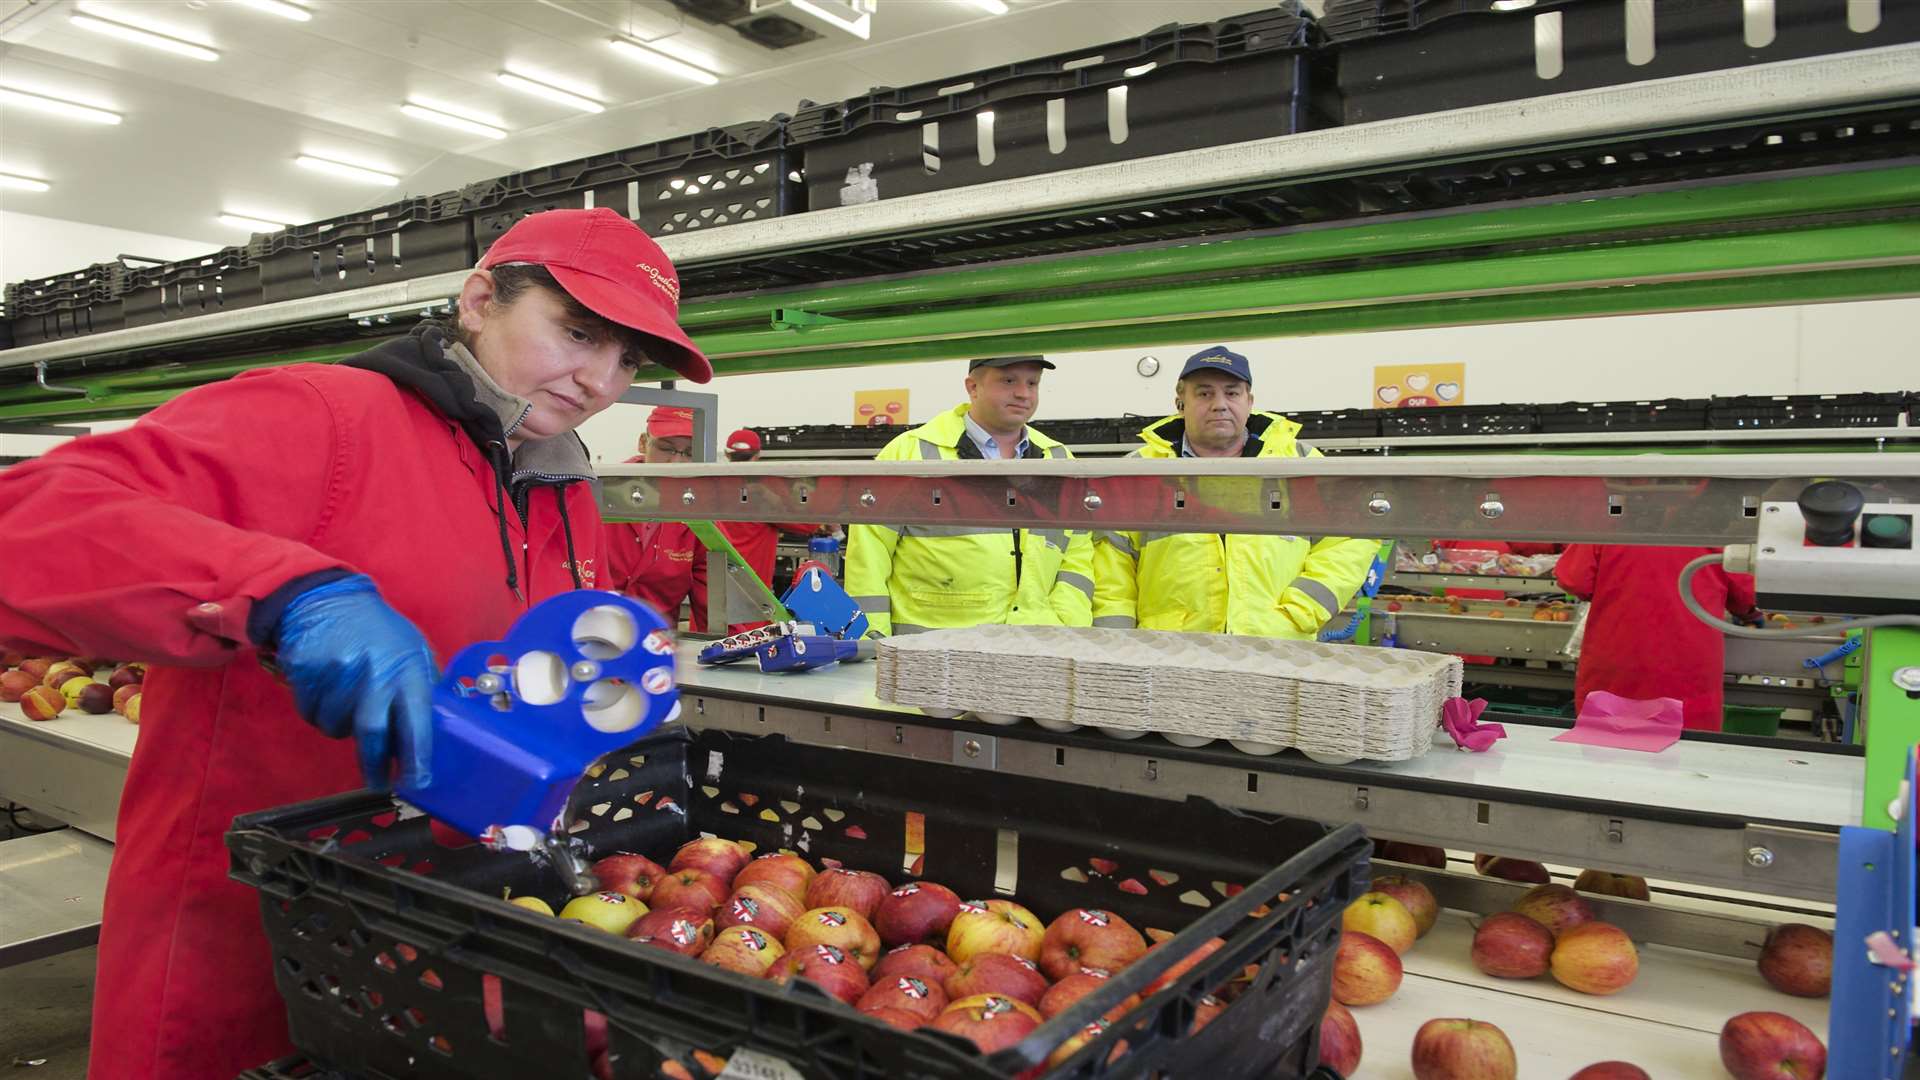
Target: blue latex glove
{"x": 358, "y": 667}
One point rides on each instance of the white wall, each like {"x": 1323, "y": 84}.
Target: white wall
{"x": 33, "y": 246}
{"x": 1814, "y": 349}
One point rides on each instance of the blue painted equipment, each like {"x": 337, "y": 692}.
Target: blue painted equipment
{"x": 517, "y": 722}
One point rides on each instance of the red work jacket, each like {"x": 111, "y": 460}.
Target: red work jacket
{"x": 1641, "y": 642}
{"x": 154, "y": 543}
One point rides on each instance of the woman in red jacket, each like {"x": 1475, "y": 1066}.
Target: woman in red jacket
{"x": 350, "y": 522}
{"x": 1641, "y": 641}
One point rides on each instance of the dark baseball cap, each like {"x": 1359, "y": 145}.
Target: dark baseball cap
{"x": 1219, "y": 358}
{"x": 1009, "y": 361}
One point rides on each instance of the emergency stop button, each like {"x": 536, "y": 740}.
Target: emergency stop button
{"x": 1830, "y": 508}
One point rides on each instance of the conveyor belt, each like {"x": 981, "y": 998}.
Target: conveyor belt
{"x": 71, "y": 768}
{"x": 1725, "y": 813}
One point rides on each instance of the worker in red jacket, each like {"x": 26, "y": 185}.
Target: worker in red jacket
{"x": 352, "y": 522}
{"x": 1641, "y": 641}
{"x": 758, "y": 542}
{"x": 660, "y": 563}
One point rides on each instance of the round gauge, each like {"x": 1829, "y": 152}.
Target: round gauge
{"x": 1148, "y": 367}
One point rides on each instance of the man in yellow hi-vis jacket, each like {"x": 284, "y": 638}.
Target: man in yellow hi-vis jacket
{"x": 930, "y": 577}
{"x": 1264, "y": 586}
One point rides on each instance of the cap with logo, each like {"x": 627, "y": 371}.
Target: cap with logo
{"x": 612, "y": 267}
{"x": 1008, "y": 361}
{"x": 746, "y": 440}
{"x": 670, "y": 422}
{"x": 1219, "y": 358}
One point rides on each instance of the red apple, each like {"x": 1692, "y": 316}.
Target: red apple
{"x": 130, "y": 708}
{"x": 907, "y": 994}
{"x": 1081, "y": 1038}
{"x": 991, "y": 1021}
{"x": 781, "y": 869}
{"x": 1339, "y": 1040}
{"x": 721, "y": 858}
{"x": 11, "y": 660}
{"x": 95, "y": 698}
{"x": 837, "y": 926}
{"x": 1089, "y": 937}
{"x": 766, "y": 906}
{"x": 58, "y": 674}
{"x": 1205, "y": 1011}
{"x": 1000, "y": 926}
{"x": 36, "y": 666}
{"x": 856, "y": 890}
{"x": 1512, "y": 946}
{"x": 687, "y": 931}
{"x": 1062, "y": 995}
{"x": 1611, "y": 1070}
{"x": 1797, "y": 959}
{"x": 689, "y": 888}
{"x": 917, "y": 911}
{"x": 1412, "y": 854}
{"x": 42, "y": 703}
{"x": 745, "y": 949}
{"x": 1414, "y": 896}
{"x": 1595, "y": 958}
{"x": 1181, "y": 966}
{"x": 126, "y": 675}
{"x": 905, "y": 1021}
{"x": 1383, "y": 917}
{"x": 997, "y": 973}
{"x": 14, "y": 684}
{"x": 625, "y": 872}
{"x": 1606, "y": 883}
{"x": 825, "y": 966}
{"x": 1462, "y": 1050}
{"x": 1555, "y": 907}
{"x": 1366, "y": 970}
{"x": 609, "y": 911}
{"x": 1521, "y": 870}
{"x": 127, "y": 693}
{"x": 1771, "y": 1046}
{"x": 920, "y": 961}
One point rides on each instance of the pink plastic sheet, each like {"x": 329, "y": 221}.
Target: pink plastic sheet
{"x": 1606, "y": 719}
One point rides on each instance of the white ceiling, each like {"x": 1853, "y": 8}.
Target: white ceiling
{"x": 201, "y": 138}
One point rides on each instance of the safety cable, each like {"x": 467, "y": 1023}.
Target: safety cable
{"x": 1735, "y": 630}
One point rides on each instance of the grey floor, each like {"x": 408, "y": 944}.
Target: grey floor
{"x": 45, "y": 1012}
{"x": 46, "y": 1009}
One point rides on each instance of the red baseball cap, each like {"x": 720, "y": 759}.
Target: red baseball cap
{"x": 746, "y": 439}
{"x": 609, "y": 264}
{"x": 668, "y": 422}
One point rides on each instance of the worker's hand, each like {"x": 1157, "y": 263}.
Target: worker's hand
{"x": 359, "y": 668}
{"x": 1754, "y": 617}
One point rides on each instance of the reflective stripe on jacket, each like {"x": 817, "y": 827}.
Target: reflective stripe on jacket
{"x": 1264, "y": 586}
{"x": 928, "y": 577}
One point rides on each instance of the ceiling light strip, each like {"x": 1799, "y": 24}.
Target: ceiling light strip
{"x": 152, "y": 39}
{"x": 550, "y": 92}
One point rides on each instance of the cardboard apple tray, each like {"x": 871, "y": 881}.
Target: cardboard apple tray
{"x": 1332, "y": 701}
{"x": 381, "y": 937}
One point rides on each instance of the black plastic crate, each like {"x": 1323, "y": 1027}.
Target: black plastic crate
{"x": 829, "y": 436}
{"x": 1393, "y": 58}
{"x": 1809, "y": 411}
{"x": 705, "y": 180}
{"x": 226, "y": 280}
{"x": 1458, "y": 420}
{"x": 383, "y": 939}
{"x": 1667, "y": 414}
{"x": 67, "y": 305}
{"x": 1337, "y": 424}
{"x": 415, "y": 237}
{"x": 1180, "y": 87}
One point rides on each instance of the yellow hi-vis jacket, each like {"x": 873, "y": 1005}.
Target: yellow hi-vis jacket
{"x": 931, "y": 577}
{"x": 1262, "y": 586}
